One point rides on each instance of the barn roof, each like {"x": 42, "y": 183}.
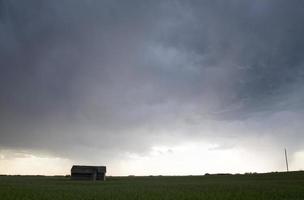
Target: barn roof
{"x": 88, "y": 169}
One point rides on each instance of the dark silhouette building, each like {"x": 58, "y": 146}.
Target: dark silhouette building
{"x": 80, "y": 172}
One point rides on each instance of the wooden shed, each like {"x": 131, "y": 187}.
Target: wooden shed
{"x": 81, "y": 172}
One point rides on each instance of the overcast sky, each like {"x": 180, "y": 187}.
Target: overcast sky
{"x": 151, "y": 87}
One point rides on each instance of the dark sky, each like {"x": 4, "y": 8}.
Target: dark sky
{"x": 113, "y": 78}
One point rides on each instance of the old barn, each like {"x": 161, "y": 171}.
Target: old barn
{"x": 80, "y": 172}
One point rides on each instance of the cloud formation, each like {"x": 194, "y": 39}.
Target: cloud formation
{"x": 79, "y": 77}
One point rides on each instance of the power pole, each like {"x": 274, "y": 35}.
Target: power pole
{"x": 286, "y": 160}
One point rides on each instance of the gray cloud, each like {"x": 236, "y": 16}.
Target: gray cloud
{"x": 116, "y": 76}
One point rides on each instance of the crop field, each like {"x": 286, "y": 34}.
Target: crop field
{"x": 276, "y": 186}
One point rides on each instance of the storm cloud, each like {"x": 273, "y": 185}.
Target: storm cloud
{"x": 117, "y": 77}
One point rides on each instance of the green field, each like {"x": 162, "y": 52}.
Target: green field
{"x": 253, "y": 186}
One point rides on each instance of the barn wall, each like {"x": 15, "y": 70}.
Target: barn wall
{"x": 88, "y": 173}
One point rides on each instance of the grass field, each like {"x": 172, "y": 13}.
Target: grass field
{"x": 274, "y": 186}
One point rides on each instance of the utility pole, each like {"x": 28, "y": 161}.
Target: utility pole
{"x": 286, "y": 160}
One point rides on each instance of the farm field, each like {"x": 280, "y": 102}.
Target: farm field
{"x": 276, "y": 186}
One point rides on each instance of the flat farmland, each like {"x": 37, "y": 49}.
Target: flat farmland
{"x": 276, "y": 186}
